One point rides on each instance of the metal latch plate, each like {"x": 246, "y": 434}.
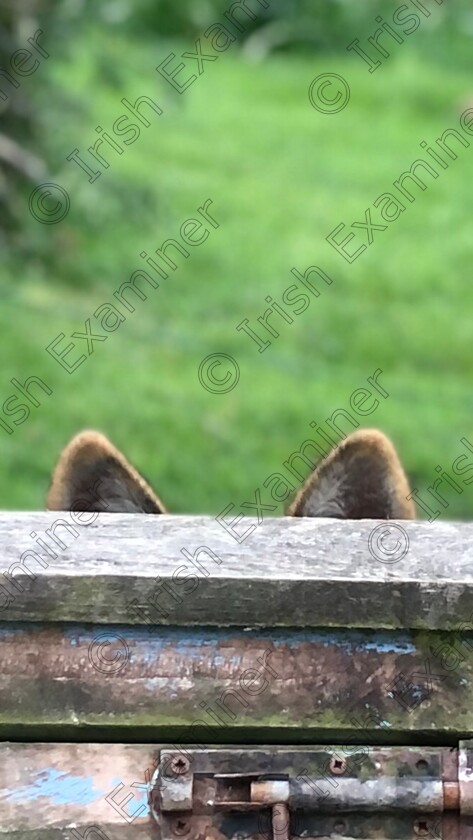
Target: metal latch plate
{"x": 274, "y": 793}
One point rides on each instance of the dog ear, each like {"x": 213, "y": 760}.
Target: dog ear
{"x": 362, "y": 478}
{"x": 92, "y": 475}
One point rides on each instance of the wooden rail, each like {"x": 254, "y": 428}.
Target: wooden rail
{"x": 190, "y": 570}
{"x": 160, "y": 629}
{"x": 117, "y": 637}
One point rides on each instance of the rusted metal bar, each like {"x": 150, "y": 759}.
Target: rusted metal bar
{"x": 385, "y": 794}
{"x": 270, "y": 792}
{"x": 392, "y": 780}
{"x": 451, "y": 787}
{"x": 280, "y": 821}
{"x": 465, "y": 777}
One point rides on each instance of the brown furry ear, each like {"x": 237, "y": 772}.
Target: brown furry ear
{"x": 361, "y": 479}
{"x": 92, "y": 475}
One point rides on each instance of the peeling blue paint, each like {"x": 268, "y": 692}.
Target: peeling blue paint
{"x": 218, "y": 661}
{"x": 190, "y": 642}
{"x": 61, "y": 789}
{"x": 132, "y": 800}
{"x": 145, "y": 646}
{"x": 9, "y": 631}
{"x": 389, "y": 647}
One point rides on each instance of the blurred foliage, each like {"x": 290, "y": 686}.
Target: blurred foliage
{"x": 19, "y": 135}
{"x": 280, "y": 178}
{"x": 25, "y": 154}
{"x": 30, "y": 153}
{"x": 329, "y": 24}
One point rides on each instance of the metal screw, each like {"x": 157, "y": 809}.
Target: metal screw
{"x": 421, "y": 828}
{"x": 179, "y": 765}
{"x": 180, "y": 827}
{"x": 423, "y": 766}
{"x": 337, "y": 766}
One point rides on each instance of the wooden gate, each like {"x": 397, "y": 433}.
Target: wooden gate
{"x": 164, "y": 677}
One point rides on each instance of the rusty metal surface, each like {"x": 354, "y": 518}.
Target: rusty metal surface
{"x": 451, "y": 788}
{"x": 177, "y": 794}
{"x": 389, "y": 794}
{"x": 465, "y": 777}
{"x": 270, "y": 792}
{"x": 280, "y": 822}
{"x": 233, "y": 686}
{"x": 402, "y": 791}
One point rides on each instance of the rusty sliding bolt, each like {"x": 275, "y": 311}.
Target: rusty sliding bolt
{"x": 280, "y": 821}
{"x": 451, "y": 796}
{"x": 270, "y": 792}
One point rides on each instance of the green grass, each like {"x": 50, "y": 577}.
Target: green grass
{"x": 281, "y": 177}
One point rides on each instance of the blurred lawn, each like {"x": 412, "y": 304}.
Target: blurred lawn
{"x": 281, "y": 177}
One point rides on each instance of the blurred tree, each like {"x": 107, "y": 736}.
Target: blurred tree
{"x": 20, "y": 163}
{"x": 27, "y": 149}
{"x": 30, "y": 152}
{"x": 328, "y": 25}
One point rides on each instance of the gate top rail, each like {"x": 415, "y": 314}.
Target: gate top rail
{"x": 197, "y": 570}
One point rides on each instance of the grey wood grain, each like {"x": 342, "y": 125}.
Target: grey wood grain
{"x": 135, "y": 569}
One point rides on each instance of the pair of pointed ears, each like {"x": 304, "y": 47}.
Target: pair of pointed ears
{"x": 93, "y": 475}
{"x": 362, "y": 478}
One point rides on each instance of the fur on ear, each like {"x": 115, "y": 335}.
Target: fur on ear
{"x": 362, "y": 478}
{"x": 92, "y": 475}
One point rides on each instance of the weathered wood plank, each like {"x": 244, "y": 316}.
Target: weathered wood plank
{"x": 229, "y": 685}
{"x": 52, "y": 791}
{"x": 287, "y": 572}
